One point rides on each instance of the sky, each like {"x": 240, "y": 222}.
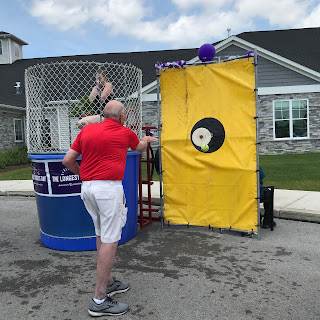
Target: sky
{"x": 74, "y": 27}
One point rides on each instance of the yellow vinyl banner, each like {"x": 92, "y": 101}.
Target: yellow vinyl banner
{"x": 209, "y": 145}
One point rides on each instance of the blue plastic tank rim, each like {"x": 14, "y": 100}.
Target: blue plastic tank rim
{"x": 46, "y": 156}
{"x": 61, "y": 155}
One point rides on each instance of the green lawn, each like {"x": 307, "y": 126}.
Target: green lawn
{"x": 18, "y": 174}
{"x": 25, "y": 174}
{"x": 292, "y": 171}
{"x": 287, "y": 171}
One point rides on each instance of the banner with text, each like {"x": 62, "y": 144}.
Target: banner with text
{"x": 61, "y": 180}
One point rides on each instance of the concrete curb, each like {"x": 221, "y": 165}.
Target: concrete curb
{"x": 18, "y": 193}
{"x": 289, "y": 204}
{"x": 298, "y": 216}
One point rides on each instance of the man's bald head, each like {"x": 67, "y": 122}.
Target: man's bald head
{"x": 114, "y": 109}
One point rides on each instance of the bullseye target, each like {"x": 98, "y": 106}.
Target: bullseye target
{"x": 208, "y": 131}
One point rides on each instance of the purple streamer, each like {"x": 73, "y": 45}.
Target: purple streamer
{"x": 170, "y": 65}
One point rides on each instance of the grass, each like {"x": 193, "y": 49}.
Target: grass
{"x": 286, "y": 171}
{"x": 18, "y": 174}
{"x": 155, "y": 176}
{"x": 25, "y": 174}
{"x": 292, "y": 171}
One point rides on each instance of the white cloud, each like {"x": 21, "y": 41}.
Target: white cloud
{"x": 208, "y": 4}
{"x": 200, "y": 29}
{"x": 63, "y": 15}
{"x": 312, "y": 20}
{"x": 281, "y": 13}
{"x": 114, "y": 13}
{"x": 193, "y": 23}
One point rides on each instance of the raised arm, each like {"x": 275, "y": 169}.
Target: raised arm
{"x": 87, "y": 120}
{"x": 144, "y": 142}
{"x": 107, "y": 90}
{"x": 94, "y": 93}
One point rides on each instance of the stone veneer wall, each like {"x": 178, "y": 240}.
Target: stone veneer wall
{"x": 265, "y": 109}
{"x": 265, "y": 112}
{"x": 7, "y": 135}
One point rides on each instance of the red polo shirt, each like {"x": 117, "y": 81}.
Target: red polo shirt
{"x": 103, "y": 147}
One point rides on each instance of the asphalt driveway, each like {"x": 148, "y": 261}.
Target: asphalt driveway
{"x": 175, "y": 273}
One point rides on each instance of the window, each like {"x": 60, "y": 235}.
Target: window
{"x": 0, "y": 47}
{"x": 291, "y": 120}
{"x": 18, "y": 130}
{"x": 16, "y": 50}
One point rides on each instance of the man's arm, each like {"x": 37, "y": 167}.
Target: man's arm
{"x": 87, "y": 120}
{"x": 70, "y": 161}
{"x": 144, "y": 142}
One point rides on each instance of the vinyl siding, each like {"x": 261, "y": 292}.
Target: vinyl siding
{"x": 271, "y": 74}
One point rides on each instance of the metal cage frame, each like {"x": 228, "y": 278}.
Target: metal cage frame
{"x": 59, "y": 94}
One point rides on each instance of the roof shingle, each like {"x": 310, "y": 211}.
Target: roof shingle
{"x": 299, "y": 45}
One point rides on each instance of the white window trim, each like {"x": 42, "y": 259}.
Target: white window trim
{"x": 263, "y": 91}
{"x": 290, "y": 121}
{"x": 14, "y": 124}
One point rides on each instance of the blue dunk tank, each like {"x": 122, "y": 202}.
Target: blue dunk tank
{"x": 58, "y": 95}
{"x": 64, "y": 221}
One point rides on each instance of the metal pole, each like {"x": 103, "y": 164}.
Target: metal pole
{"x": 42, "y": 112}
{"x": 257, "y": 140}
{"x": 159, "y": 146}
{"x": 68, "y": 103}
{"x": 100, "y": 104}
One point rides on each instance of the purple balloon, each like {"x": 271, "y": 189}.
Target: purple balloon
{"x": 206, "y": 52}
{"x": 251, "y": 54}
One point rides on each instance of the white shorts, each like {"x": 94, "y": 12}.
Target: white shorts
{"x": 105, "y": 202}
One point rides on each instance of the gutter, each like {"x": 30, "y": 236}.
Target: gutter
{"x": 5, "y": 106}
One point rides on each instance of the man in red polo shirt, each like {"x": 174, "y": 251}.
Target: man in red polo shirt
{"x": 103, "y": 147}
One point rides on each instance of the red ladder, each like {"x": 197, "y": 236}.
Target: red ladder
{"x": 146, "y": 205}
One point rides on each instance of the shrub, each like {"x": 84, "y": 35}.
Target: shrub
{"x": 79, "y": 110}
{"x": 18, "y": 155}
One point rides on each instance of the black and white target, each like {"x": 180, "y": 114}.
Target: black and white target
{"x": 208, "y": 131}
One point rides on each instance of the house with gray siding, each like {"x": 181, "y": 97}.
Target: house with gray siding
{"x": 288, "y": 84}
{"x": 12, "y": 117}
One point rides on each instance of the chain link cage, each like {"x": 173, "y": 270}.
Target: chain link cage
{"x": 60, "y": 94}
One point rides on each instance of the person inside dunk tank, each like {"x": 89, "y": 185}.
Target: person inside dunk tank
{"x": 101, "y": 94}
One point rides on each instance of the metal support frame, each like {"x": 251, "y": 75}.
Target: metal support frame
{"x": 160, "y": 150}
{"x": 143, "y": 219}
{"x": 257, "y": 142}
{"x": 251, "y": 233}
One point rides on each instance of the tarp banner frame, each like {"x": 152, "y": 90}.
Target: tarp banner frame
{"x": 214, "y": 104}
